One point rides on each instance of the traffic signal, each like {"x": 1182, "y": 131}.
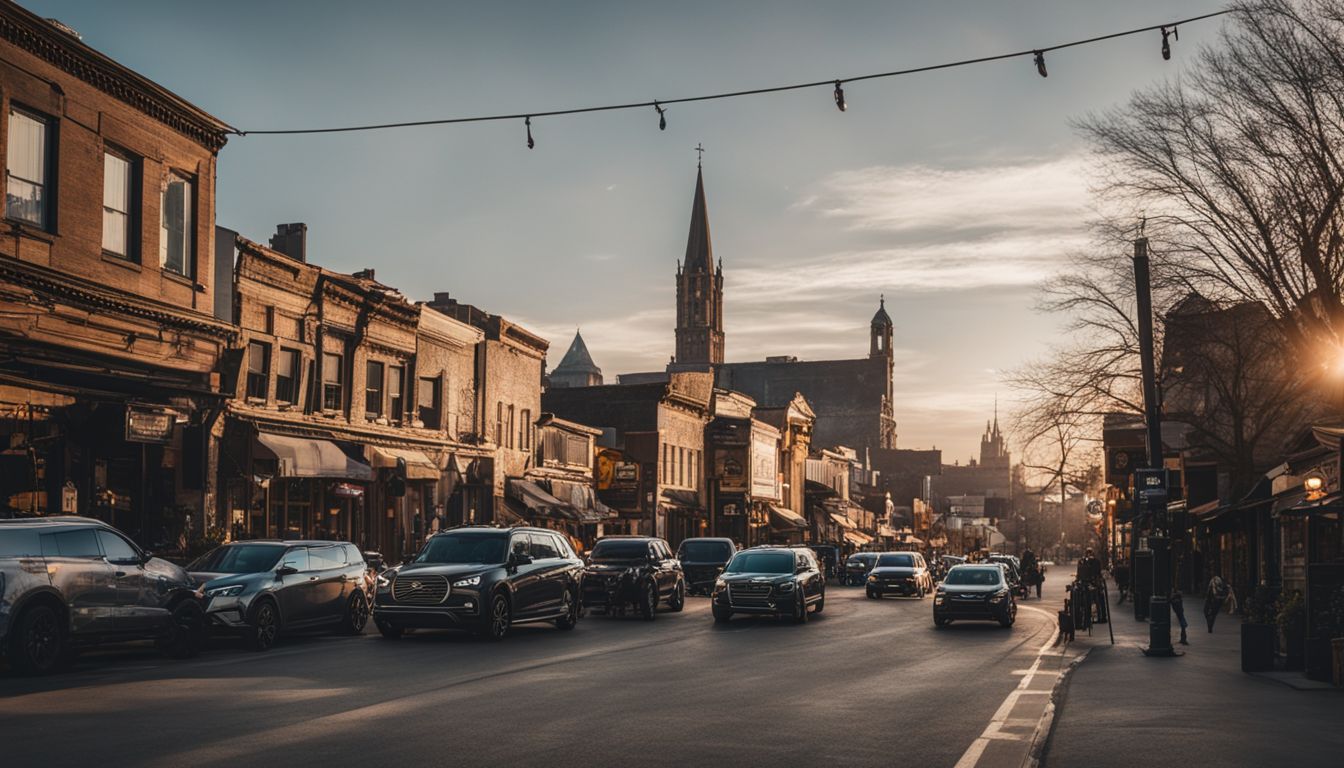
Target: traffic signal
{"x": 396, "y": 484}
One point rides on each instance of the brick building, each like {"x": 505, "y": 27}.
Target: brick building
{"x": 109, "y": 344}
{"x": 655, "y": 432}
{"x": 355, "y": 412}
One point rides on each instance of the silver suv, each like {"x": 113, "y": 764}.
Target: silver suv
{"x": 72, "y": 581}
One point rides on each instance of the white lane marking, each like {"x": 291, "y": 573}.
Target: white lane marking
{"x": 994, "y": 730}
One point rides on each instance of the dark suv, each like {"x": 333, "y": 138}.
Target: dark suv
{"x": 483, "y": 580}
{"x": 638, "y": 571}
{"x": 261, "y": 588}
{"x": 855, "y": 570}
{"x": 702, "y": 560}
{"x": 780, "y": 581}
{"x": 72, "y": 581}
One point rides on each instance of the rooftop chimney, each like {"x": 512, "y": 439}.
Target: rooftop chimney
{"x": 291, "y": 240}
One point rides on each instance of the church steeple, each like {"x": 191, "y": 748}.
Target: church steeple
{"x": 881, "y": 331}
{"x": 699, "y": 290}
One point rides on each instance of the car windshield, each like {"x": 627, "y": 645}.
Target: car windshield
{"x": 239, "y": 558}
{"x": 896, "y": 561}
{"x": 620, "y": 549}
{"x": 706, "y": 550}
{"x": 761, "y": 562}
{"x": 979, "y": 577}
{"x": 863, "y": 559}
{"x": 456, "y": 548}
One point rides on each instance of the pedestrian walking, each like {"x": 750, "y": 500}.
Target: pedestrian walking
{"x": 1178, "y": 608}
{"x": 1121, "y": 573}
{"x": 1214, "y": 598}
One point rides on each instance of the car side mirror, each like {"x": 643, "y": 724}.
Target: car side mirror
{"x": 518, "y": 558}
{"x": 286, "y": 570}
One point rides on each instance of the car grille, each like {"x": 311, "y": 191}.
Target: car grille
{"x": 701, "y": 573}
{"x": 970, "y": 598}
{"x": 412, "y": 589}
{"x": 749, "y": 595}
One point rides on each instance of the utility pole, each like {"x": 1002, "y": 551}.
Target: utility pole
{"x": 1151, "y": 484}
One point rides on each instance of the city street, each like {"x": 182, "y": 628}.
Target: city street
{"x": 863, "y": 683}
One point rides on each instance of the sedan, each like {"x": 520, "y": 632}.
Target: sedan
{"x": 976, "y": 592}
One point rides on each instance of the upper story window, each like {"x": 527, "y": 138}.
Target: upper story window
{"x": 331, "y": 381}
{"x": 27, "y": 179}
{"x": 119, "y": 203}
{"x": 428, "y": 399}
{"x": 176, "y": 230}
{"x": 396, "y": 402}
{"x": 373, "y": 389}
{"x": 287, "y": 377}
{"x": 258, "y": 369}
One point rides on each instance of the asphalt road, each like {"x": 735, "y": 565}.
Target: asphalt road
{"x": 863, "y": 683}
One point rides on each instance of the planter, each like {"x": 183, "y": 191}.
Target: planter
{"x": 1319, "y": 658}
{"x": 1257, "y": 647}
{"x": 1337, "y": 659}
{"x": 1295, "y": 645}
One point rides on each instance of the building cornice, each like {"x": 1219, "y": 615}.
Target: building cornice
{"x": 40, "y": 38}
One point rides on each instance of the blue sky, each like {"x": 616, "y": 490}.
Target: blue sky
{"x": 954, "y": 193}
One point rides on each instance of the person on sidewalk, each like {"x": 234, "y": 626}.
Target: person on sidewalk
{"x": 1178, "y": 608}
{"x": 1214, "y": 598}
{"x": 1121, "y": 573}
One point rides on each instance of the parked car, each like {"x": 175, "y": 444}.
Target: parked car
{"x": 902, "y": 573}
{"x": 1013, "y": 571}
{"x": 263, "y": 589}
{"x": 67, "y": 582}
{"x": 974, "y": 592}
{"x": 483, "y": 580}
{"x": 633, "y": 571}
{"x": 702, "y": 560}
{"x": 857, "y": 565}
{"x": 778, "y": 581}
{"x": 828, "y": 557}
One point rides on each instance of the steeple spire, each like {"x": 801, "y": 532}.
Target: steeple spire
{"x": 699, "y": 250}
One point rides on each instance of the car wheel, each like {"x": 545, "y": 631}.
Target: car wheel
{"x": 872, "y": 595}
{"x": 186, "y": 631}
{"x": 38, "y": 647}
{"x": 356, "y": 614}
{"x": 678, "y": 599}
{"x": 500, "y": 619}
{"x": 571, "y": 606}
{"x": 799, "y": 608}
{"x": 389, "y": 631}
{"x": 264, "y": 628}
{"x": 940, "y": 622}
{"x": 721, "y": 615}
{"x": 821, "y": 604}
{"x": 648, "y": 602}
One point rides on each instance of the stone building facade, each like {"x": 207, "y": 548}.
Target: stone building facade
{"x": 109, "y": 346}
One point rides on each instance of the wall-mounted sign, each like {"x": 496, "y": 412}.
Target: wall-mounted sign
{"x": 146, "y": 424}
{"x": 731, "y": 470}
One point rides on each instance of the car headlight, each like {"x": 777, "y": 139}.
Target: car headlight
{"x": 232, "y": 590}
{"x": 872, "y": 577}
{"x": 939, "y": 598}
{"x": 1002, "y": 594}
{"x": 785, "y": 587}
{"x": 720, "y": 584}
{"x": 472, "y": 581}
{"x": 384, "y": 580}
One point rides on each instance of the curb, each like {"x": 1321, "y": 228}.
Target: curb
{"x": 1041, "y": 738}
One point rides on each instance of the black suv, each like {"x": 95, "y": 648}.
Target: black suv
{"x": 259, "y": 589}
{"x": 484, "y": 580}
{"x": 780, "y": 581}
{"x": 855, "y": 570}
{"x": 702, "y": 560}
{"x": 71, "y": 581}
{"x": 638, "y": 571}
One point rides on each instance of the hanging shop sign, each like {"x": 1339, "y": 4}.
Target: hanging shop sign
{"x": 147, "y": 424}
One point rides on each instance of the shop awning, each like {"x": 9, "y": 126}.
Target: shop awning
{"x": 843, "y": 521}
{"x": 858, "y": 538}
{"x": 418, "y": 465}
{"x": 304, "y": 457}
{"x": 688, "y": 500}
{"x": 886, "y": 532}
{"x": 1332, "y": 503}
{"x": 581, "y": 500}
{"x": 782, "y": 517}
{"x": 537, "y": 500}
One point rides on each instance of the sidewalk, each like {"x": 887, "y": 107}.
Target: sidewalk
{"x": 1121, "y": 708}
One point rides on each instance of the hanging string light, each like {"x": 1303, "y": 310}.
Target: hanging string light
{"x": 1168, "y": 30}
{"x": 1166, "y": 44}
{"x": 527, "y": 123}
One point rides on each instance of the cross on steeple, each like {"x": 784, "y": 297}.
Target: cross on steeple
{"x": 699, "y": 154}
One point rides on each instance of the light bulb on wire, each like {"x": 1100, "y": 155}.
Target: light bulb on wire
{"x": 1166, "y": 44}
{"x": 662, "y": 117}
{"x": 1040, "y": 63}
{"x": 839, "y": 96}
{"x": 527, "y": 123}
